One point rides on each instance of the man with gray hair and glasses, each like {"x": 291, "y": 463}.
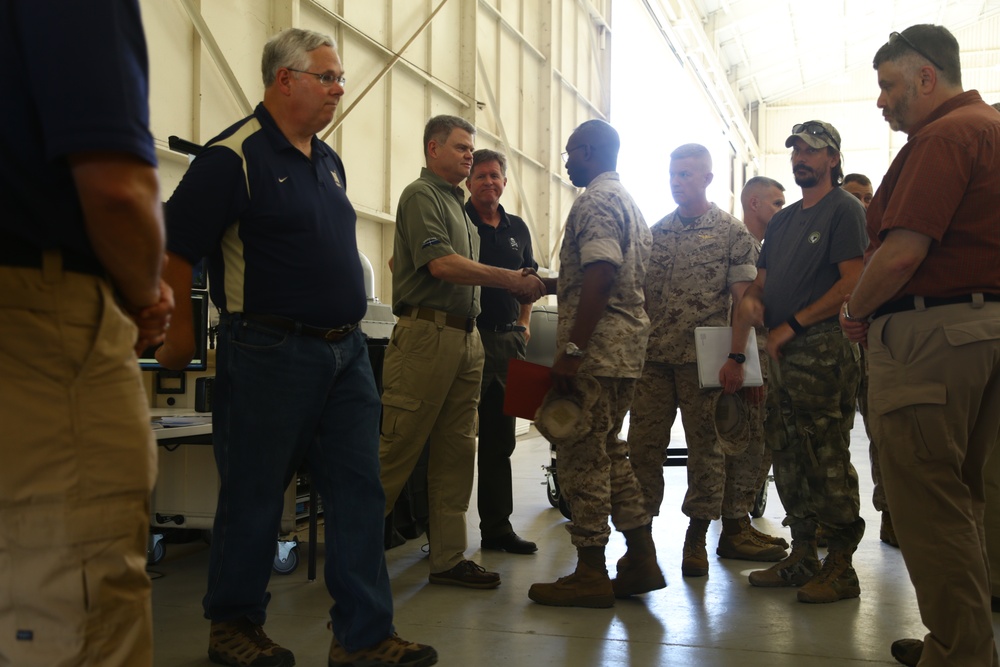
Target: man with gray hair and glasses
{"x": 266, "y": 202}
{"x": 928, "y": 309}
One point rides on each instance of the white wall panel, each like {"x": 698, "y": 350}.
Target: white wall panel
{"x": 544, "y": 64}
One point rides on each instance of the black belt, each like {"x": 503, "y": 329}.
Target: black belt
{"x": 16, "y": 252}
{"x": 297, "y": 328}
{"x": 909, "y": 302}
{"x": 500, "y": 328}
{"x": 466, "y": 324}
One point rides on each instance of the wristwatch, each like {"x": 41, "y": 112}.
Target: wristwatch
{"x": 738, "y": 358}
{"x": 573, "y": 351}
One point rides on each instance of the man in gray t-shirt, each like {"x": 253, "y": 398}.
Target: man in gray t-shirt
{"x": 811, "y": 258}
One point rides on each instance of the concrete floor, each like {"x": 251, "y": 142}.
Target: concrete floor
{"x": 719, "y": 620}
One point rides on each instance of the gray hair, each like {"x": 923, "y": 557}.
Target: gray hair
{"x": 290, "y": 48}
{"x": 439, "y": 128}
{"x": 693, "y": 150}
{"x": 763, "y": 182}
{"x": 486, "y": 155}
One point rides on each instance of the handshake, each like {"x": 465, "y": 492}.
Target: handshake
{"x": 526, "y": 286}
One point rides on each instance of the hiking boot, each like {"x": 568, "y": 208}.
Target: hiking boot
{"x": 836, "y": 581}
{"x": 800, "y": 566}
{"x": 763, "y": 537}
{"x": 242, "y": 643}
{"x": 468, "y": 574}
{"x": 744, "y": 545}
{"x": 586, "y": 587}
{"x": 695, "y": 560}
{"x": 907, "y": 651}
{"x": 390, "y": 651}
{"x": 638, "y": 571}
{"x": 888, "y": 534}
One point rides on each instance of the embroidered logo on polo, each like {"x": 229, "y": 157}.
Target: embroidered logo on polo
{"x": 513, "y": 244}
{"x": 282, "y": 179}
{"x": 429, "y": 242}
{"x": 814, "y": 238}
{"x": 336, "y": 179}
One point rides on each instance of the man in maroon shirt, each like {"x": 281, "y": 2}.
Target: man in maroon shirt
{"x": 928, "y": 308}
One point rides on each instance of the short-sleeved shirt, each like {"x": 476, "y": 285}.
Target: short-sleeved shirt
{"x": 56, "y": 103}
{"x": 508, "y": 246}
{"x": 605, "y": 225}
{"x": 277, "y": 227}
{"x": 802, "y": 248}
{"x": 945, "y": 184}
{"x": 691, "y": 270}
{"x": 431, "y": 222}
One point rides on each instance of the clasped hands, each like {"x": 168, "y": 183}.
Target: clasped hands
{"x": 528, "y": 287}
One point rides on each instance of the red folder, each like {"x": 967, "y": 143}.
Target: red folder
{"x": 527, "y": 384}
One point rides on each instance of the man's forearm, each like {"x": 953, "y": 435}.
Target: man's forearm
{"x": 120, "y": 198}
{"x": 598, "y": 279}
{"x": 463, "y": 271}
{"x": 888, "y": 271}
{"x": 829, "y": 304}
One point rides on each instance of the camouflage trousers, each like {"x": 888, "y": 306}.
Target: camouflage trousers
{"x": 718, "y": 483}
{"x": 595, "y": 474}
{"x": 812, "y": 391}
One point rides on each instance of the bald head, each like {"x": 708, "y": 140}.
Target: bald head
{"x": 591, "y": 150}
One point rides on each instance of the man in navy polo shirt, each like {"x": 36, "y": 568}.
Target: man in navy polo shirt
{"x": 504, "y": 241}
{"x": 81, "y": 247}
{"x": 266, "y": 203}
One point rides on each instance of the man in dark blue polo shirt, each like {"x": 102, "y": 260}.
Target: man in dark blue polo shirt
{"x": 266, "y": 203}
{"x": 504, "y": 241}
{"x": 81, "y": 246}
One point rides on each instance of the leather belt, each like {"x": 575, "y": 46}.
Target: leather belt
{"x": 466, "y": 324}
{"x": 500, "y": 328}
{"x": 19, "y": 253}
{"x": 297, "y": 328}
{"x": 909, "y": 302}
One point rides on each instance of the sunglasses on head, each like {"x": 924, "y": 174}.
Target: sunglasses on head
{"x": 816, "y": 130}
{"x": 893, "y": 36}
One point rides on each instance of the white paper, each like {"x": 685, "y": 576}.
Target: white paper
{"x": 712, "y": 346}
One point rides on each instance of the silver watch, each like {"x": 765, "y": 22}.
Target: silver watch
{"x": 573, "y": 351}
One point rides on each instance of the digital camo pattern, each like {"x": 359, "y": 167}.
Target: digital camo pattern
{"x": 811, "y": 396}
{"x": 605, "y": 224}
{"x": 717, "y": 484}
{"x": 690, "y": 271}
{"x": 595, "y": 474}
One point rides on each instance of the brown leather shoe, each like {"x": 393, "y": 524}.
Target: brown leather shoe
{"x": 242, "y": 643}
{"x": 468, "y": 574}
{"x": 907, "y": 651}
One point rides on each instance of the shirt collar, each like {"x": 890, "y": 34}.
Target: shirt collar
{"x": 946, "y": 107}
{"x": 278, "y": 141}
{"x": 478, "y": 220}
{"x": 441, "y": 184}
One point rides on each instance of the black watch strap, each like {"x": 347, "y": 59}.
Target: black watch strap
{"x": 737, "y": 357}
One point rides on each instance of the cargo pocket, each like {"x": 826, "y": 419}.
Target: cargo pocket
{"x": 398, "y": 414}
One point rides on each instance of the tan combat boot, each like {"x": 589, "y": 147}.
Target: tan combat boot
{"x": 638, "y": 571}
{"x": 588, "y": 586}
{"x": 836, "y": 581}
{"x": 737, "y": 541}
{"x": 800, "y": 566}
{"x": 764, "y": 537}
{"x": 695, "y": 561}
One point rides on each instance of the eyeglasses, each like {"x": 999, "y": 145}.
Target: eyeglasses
{"x": 326, "y": 78}
{"x": 565, "y": 155}
{"x": 816, "y": 130}
{"x": 893, "y": 36}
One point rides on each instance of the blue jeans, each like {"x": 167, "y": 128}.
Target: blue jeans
{"x": 282, "y": 400}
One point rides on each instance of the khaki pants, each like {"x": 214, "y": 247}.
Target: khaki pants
{"x": 934, "y": 388}
{"x": 431, "y": 382}
{"x": 78, "y": 467}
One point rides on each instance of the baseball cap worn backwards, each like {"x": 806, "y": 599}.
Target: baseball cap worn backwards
{"x": 816, "y": 133}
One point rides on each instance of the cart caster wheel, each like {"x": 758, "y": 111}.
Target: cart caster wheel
{"x": 286, "y": 557}
{"x": 157, "y": 549}
{"x": 564, "y": 508}
{"x": 760, "y": 502}
{"x": 551, "y": 485}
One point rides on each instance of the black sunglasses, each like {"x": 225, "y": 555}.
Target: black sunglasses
{"x": 893, "y": 36}
{"x": 816, "y": 130}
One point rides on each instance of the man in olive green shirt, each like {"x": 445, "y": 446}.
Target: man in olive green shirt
{"x": 434, "y": 363}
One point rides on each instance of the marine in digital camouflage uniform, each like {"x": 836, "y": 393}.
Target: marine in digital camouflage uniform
{"x": 601, "y": 337}
{"x": 702, "y": 259}
{"x": 810, "y": 259}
